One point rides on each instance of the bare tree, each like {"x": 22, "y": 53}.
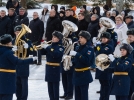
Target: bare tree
{"x": 109, "y": 3}
{"x": 0, "y": 2}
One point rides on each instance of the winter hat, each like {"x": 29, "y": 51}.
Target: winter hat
{"x": 127, "y": 47}
{"x": 106, "y": 35}
{"x": 62, "y": 12}
{"x": 6, "y": 38}
{"x": 129, "y": 16}
{"x": 84, "y": 6}
{"x": 85, "y": 34}
{"x": 58, "y": 34}
{"x": 18, "y": 28}
{"x": 130, "y": 31}
{"x": 62, "y": 7}
{"x": 14, "y": 2}
{"x": 106, "y": 7}
{"x": 46, "y": 6}
{"x": 74, "y": 8}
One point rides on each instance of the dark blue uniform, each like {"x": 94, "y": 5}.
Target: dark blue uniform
{"x": 8, "y": 66}
{"x": 131, "y": 74}
{"x": 121, "y": 81}
{"x": 82, "y": 75}
{"x": 103, "y": 76}
{"x": 54, "y": 54}
{"x": 114, "y": 36}
{"x": 22, "y": 72}
{"x": 68, "y": 75}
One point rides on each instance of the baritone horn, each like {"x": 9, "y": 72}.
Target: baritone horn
{"x": 21, "y": 52}
{"x": 102, "y": 61}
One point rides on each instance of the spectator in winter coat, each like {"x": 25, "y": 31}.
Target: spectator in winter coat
{"x": 5, "y": 25}
{"x": 105, "y": 8}
{"x": 69, "y": 17}
{"x": 82, "y": 24}
{"x": 11, "y": 15}
{"x": 62, "y": 16}
{"x": 62, "y": 8}
{"x": 21, "y": 18}
{"x": 16, "y": 6}
{"x": 96, "y": 10}
{"x": 129, "y": 21}
{"x": 9, "y": 4}
{"x": 53, "y": 24}
{"x": 55, "y": 7}
{"x": 93, "y": 26}
{"x": 73, "y": 10}
{"x": 86, "y": 13}
{"x": 37, "y": 28}
{"x": 44, "y": 17}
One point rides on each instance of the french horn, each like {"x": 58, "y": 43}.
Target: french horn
{"x": 102, "y": 61}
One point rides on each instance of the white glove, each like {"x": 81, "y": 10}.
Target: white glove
{"x": 25, "y": 45}
{"x": 111, "y": 57}
{"x": 30, "y": 56}
{"x": 14, "y": 48}
{"x": 44, "y": 46}
{"x": 98, "y": 42}
{"x": 94, "y": 40}
{"x": 73, "y": 53}
{"x": 35, "y": 58}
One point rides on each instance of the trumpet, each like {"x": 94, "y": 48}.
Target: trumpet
{"x": 40, "y": 46}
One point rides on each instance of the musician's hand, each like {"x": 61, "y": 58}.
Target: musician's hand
{"x": 94, "y": 40}
{"x": 73, "y": 53}
{"x": 25, "y": 45}
{"x": 14, "y": 48}
{"x": 35, "y": 58}
{"x": 111, "y": 57}
{"x": 44, "y": 46}
{"x": 98, "y": 42}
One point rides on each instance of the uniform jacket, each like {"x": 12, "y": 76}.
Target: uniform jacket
{"x": 122, "y": 37}
{"x": 23, "y": 70}
{"x": 103, "y": 49}
{"x": 9, "y": 61}
{"x": 114, "y": 36}
{"x": 82, "y": 25}
{"x": 131, "y": 73}
{"x": 130, "y": 25}
{"x": 54, "y": 54}
{"x": 93, "y": 28}
{"x": 53, "y": 24}
{"x": 83, "y": 58}
{"x": 121, "y": 83}
{"x": 21, "y": 20}
{"x": 37, "y": 28}
{"x": 5, "y": 26}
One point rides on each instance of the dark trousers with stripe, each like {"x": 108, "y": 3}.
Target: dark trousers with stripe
{"x": 121, "y": 97}
{"x": 81, "y": 92}
{"x": 67, "y": 84}
{"x": 105, "y": 89}
{"x": 6, "y": 96}
{"x": 53, "y": 90}
{"x": 22, "y": 88}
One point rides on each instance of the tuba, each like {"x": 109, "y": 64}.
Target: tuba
{"x": 69, "y": 27}
{"x": 102, "y": 61}
{"x": 21, "y": 52}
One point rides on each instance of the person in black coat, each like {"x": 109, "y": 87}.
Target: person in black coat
{"x": 55, "y": 7}
{"x": 121, "y": 68}
{"x": 5, "y": 24}
{"x": 105, "y": 8}
{"x": 9, "y": 4}
{"x": 129, "y": 21}
{"x": 83, "y": 60}
{"x": 21, "y": 18}
{"x": 11, "y": 15}
{"x": 96, "y": 10}
{"x": 54, "y": 54}
{"x": 93, "y": 26}
{"x": 8, "y": 67}
{"x": 82, "y": 23}
{"x": 130, "y": 34}
{"x": 16, "y": 6}
{"x": 69, "y": 17}
{"x": 53, "y": 24}
{"x": 37, "y": 28}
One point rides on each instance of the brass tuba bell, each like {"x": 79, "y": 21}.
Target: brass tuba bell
{"x": 21, "y": 52}
{"x": 102, "y": 61}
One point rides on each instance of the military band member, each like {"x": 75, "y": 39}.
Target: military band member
{"x": 104, "y": 47}
{"x": 121, "y": 67}
{"x": 54, "y": 53}
{"x": 22, "y": 71}
{"x": 83, "y": 59}
{"x": 8, "y": 67}
{"x": 130, "y": 34}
